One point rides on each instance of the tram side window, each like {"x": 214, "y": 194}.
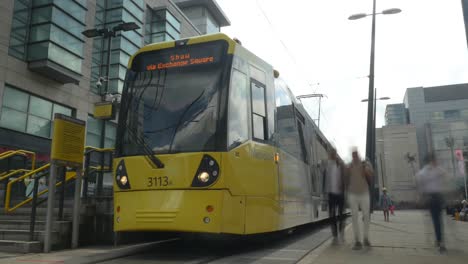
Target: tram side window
{"x": 238, "y": 109}
{"x": 258, "y": 110}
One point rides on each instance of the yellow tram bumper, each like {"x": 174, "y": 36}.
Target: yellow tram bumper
{"x": 210, "y": 211}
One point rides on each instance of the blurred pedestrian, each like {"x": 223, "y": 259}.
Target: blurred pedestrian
{"x": 385, "y": 204}
{"x": 359, "y": 177}
{"x": 334, "y": 181}
{"x": 432, "y": 183}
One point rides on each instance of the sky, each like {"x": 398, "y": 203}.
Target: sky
{"x": 318, "y": 50}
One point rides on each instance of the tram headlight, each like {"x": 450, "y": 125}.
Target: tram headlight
{"x": 207, "y": 173}
{"x": 124, "y": 180}
{"x": 121, "y": 176}
{"x": 204, "y": 177}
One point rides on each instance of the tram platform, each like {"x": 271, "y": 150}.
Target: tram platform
{"x": 407, "y": 238}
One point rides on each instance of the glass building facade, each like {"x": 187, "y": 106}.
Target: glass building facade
{"x": 110, "y": 13}
{"x": 46, "y": 35}
{"x": 395, "y": 114}
{"x": 30, "y": 114}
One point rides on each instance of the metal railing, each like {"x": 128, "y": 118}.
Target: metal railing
{"x": 35, "y": 176}
{"x": 21, "y": 152}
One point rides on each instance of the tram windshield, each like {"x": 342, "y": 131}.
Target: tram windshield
{"x": 170, "y": 101}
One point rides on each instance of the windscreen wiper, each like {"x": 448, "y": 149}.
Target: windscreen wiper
{"x": 126, "y": 105}
{"x": 147, "y": 150}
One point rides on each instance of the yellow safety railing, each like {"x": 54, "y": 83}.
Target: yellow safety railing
{"x": 99, "y": 149}
{"x": 28, "y": 173}
{"x": 11, "y": 173}
{"x": 23, "y": 152}
{"x": 10, "y": 184}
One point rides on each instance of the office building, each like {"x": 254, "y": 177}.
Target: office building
{"x": 48, "y": 66}
{"x": 443, "y": 108}
{"x": 396, "y": 114}
{"x": 397, "y": 161}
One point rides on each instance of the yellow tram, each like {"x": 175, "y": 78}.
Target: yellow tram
{"x": 210, "y": 141}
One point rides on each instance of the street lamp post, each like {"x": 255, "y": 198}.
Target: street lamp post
{"x": 373, "y": 136}
{"x": 370, "y": 105}
{"x": 108, "y": 33}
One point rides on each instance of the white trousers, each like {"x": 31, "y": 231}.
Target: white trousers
{"x": 362, "y": 201}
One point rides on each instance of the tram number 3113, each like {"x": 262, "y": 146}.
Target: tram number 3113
{"x": 158, "y": 181}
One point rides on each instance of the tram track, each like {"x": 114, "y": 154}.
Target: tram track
{"x": 278, "y": 247}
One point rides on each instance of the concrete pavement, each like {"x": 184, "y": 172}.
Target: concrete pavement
{"x": 407, "y": 238}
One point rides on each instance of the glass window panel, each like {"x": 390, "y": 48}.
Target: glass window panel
{"x": 464, "y": 113}
{"x": 38, "y": 126}
{"x": 73, "y": 9}
{"x": 114, "y": 15}
{"x": 171, "y": 19}
{"x": 114, "y": 3}
{"x": 211, "y": 24}
{"x": 13, "y": 119}
{"x": 40, "y": 33}
{"x": 94, "y": 125}
{"x": 258, "y": 126}
{"x": 133, "y": 36}
{"x": 38, "y": 51}
{"x": 41, "y": 2}
{"x": 64, "y": 58}
{"x": 109, "y": 143}
{"x": 134, "y": 10}
{"x": 172, "y": 31}
{"x": 66, "y": 40}
{"x": 140, "y": 3}
{"x": 83, "y": 2}
{"x": 258, "y": 99}
{"x": 40, "y": 107}
{"x": 124, "y": 44}
{"x": 451, "y": 114}
{"x": 41, "y": 15}
{"x": 111, "y": 130}
{"x": 61, "y": 110}
{"x": 92, "y": 140}
{"x": 238, "y": 109}
{"x": 116, "y": 86}
{"x": 15, "y": 99}
{"x": 72, "y": 26}
{"x": 19, "y": 29}
{"x": 117, "y": 71}
{"x": 437, "y": 115}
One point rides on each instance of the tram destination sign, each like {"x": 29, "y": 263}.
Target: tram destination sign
{"x": 180, "y": 56}
{"x": 68, "y": 140}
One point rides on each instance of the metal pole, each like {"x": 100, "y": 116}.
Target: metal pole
{"x": 370, "y": 106}
{"x": 32, "y": 221}
{"x": 62, "y": 175}
{"x": 318, "y": 122}
{"x": 76, "y": 209}
{"x": 370, "y": 102}
{"x": 99, "y": 180}
{"x": 381, "y": 170}
{"x": 452, "y": 150}
{"x": 50, "y": 208}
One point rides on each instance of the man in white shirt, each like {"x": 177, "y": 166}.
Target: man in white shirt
{"x": 335, "y": 188}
